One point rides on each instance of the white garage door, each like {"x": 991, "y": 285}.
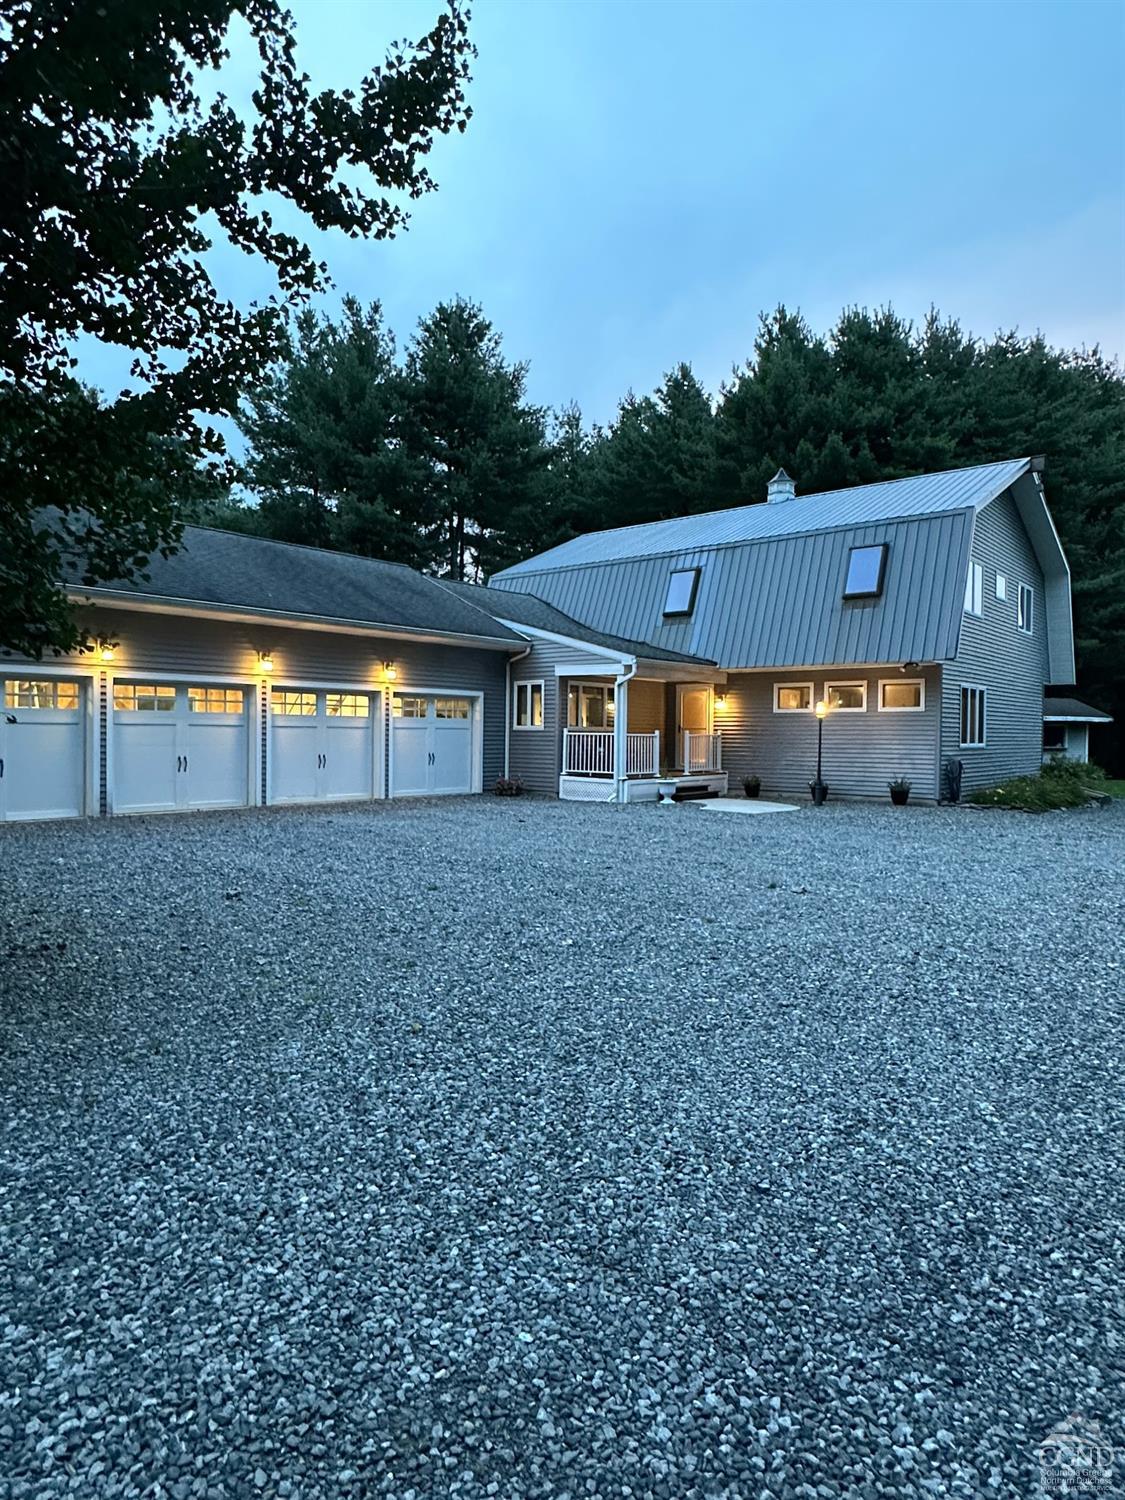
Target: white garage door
{"x": 179, "y": 745}
{"x": 432, "y": 749}
{"x": 322, "y": 745}
{"x": 42, "y": 749}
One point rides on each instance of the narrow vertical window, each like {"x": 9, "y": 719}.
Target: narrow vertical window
{"x": 973, "y": 717}
{"x": 974, "y": 589}
{"x": 1026, "y": 609}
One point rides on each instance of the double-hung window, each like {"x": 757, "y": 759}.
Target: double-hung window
{"x": 974, "y": 716}
{"x": 974, "y": 589}
{"x": 1026, "y": 607}
{"x": 527, "y": 705}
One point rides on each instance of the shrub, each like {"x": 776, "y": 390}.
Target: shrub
{"x": 508, "y": 786}
{"x": 1060, "y": 784}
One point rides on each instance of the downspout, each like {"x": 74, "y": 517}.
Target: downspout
{"x": 519, "y": 656}
{"x": 619, "y": 741}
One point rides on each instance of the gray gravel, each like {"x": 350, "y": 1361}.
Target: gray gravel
{"x": 528, "y": 1149}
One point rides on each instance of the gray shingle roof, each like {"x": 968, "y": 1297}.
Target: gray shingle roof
{"x": 527, "y": 609}
{"x": 228, "y": 569}
{"x": 1074, "y": 709}
{"x": 922, "y": 495}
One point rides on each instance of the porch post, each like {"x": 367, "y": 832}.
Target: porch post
{"x": 620, "y": 738}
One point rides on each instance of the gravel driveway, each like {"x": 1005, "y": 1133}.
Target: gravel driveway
{"x": 530, "y": 1149}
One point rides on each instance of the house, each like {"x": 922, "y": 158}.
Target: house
{"x": 246, "y": 671}
{"x": 928, "y": 615}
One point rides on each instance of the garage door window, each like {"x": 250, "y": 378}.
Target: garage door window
{"x": 348, "y": 705}
{"x": 451, "y": 708}
{"x": 41, "y": 695}
{"x": 215, "y": 700}
{"x": 406, "y": 707}
{"x": 294, "y": 705}
{"x": 142, "y": 698}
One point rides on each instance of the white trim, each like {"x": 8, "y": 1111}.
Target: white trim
{"x": 603, "y": 687}
{"x": 919, "y": 709}
{"x": 90, "y": 671}
{"x": 529, "y": 683}
{"x": 856, "y": 682}
{"x": 973, "y": 687}
{"x": 974, "y": 590}
{"x": 567, "y": 640}
{"x": 1075, "y": 719}
{"x": 377, "y": 720}
{"x": 1002, "y": 587}
{"x": 812, "y": 697}
{"x": 1025, "y": 590}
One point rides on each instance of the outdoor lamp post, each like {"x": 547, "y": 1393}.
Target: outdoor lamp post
{"x": 817, "y": 788}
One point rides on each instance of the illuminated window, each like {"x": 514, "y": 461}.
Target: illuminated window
{"x": 846, "y": 697}
{"x": 902, "y": 695}
{"x": 45, "y": 694}
{"x": 293, "y": 705}
{"x": 866, "y": 566}
{"x": 792, "y": 697}
{"x": 451, "y": 708}
{"x": 143, "y": 698}
{"x": 212, "y": 700}
{"x": 527, "y": 705}
{"x": 406, "y": 706}
{"x": 682, "y": 586}
{"x": 348, "y": 705}
{"x": 589, "y": 705}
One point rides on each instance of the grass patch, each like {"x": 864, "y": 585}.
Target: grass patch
{"x": 1114, "y": 788}
{"x": 1062, "y": 784}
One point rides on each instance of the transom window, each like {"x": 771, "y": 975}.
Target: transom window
{"x": 682, "y": 586}
{"x": 589, "y": 705}
{"x": 866, "y": 566}
{"x": 44, "y": 694}
{"x": 792, "y": 697}
{"x": 846, "y": 697}
{"x": 144, "y": 698}
{"x": 527, "y": 705}
{"x": 902, "y": 695}
{"x": 974, "y": 589}
{"x": 1026, "y": 609}
{"x": 974, "y": 717}
{"x": 407, "y": 706}
{"x": 213, "y": 700}
{"x": 347, "y": 705}
{"x": 293, "y": 705}
{"x": 451, "y": 708}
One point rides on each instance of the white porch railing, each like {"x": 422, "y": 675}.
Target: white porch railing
{"x": 589, "y": 752}
{"x": 702, "y": 752}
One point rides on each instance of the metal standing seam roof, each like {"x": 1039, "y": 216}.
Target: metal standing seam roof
{"x": 922, "y": 495}
{"x": 230, "y": 570}
{"x": 537, "y": 614}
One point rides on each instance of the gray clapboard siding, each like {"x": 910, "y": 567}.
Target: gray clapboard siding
{"x": 994, "y": 654}
{"x": 151, "y": 642}
{"x": 535, "y": 756}
{"x": 862, "y": 751}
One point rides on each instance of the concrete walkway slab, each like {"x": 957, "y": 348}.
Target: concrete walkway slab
{"x": 747, "y": 805}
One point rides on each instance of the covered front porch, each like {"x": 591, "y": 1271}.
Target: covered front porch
{"x": 626, "y": 736}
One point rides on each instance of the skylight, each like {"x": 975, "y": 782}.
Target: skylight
{"x": 866, "y": 566}
{"x": 680, "y": 598}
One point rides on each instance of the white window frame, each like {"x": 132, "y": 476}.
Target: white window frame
{"x": 606, "y": 689}
{"x": 918, "y": 708}
{"x": 812, "y": 697}
{"x": 1025, "y": 591}
{"x": 1002, "y": 587}
{"x": 855, "y": 682}
{"x": 517, "y": 687}
{"x": 974, "y": 589}
{"x": 973, "y": 687}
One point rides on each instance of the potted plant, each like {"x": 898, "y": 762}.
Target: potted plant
{"x": 899, "y": 790}
{"x": 508, "y": 786}
{"x": 751, "y": 785}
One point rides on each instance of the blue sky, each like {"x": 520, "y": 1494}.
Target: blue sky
{"x": 640, "y": 180}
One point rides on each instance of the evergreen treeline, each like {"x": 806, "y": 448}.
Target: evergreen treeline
{"x": 437, "y": 458}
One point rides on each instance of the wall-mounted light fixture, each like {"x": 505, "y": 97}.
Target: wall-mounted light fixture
{"x": 106, "y": 650}
{"x": 720, "y": 700}
{"x": 265, "y": 661}
{"x": 390, "y": 671}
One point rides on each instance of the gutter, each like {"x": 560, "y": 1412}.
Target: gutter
{"x": 619, "y": 743}
{"x": 519, "y": 656}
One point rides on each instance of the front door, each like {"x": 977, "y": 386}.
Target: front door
{"x": 693, "y": 713}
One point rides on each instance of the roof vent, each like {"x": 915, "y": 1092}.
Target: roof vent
{"x": 780, "y": 487}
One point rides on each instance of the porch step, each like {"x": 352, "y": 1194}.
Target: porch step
{"x": 686, "y": 792}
